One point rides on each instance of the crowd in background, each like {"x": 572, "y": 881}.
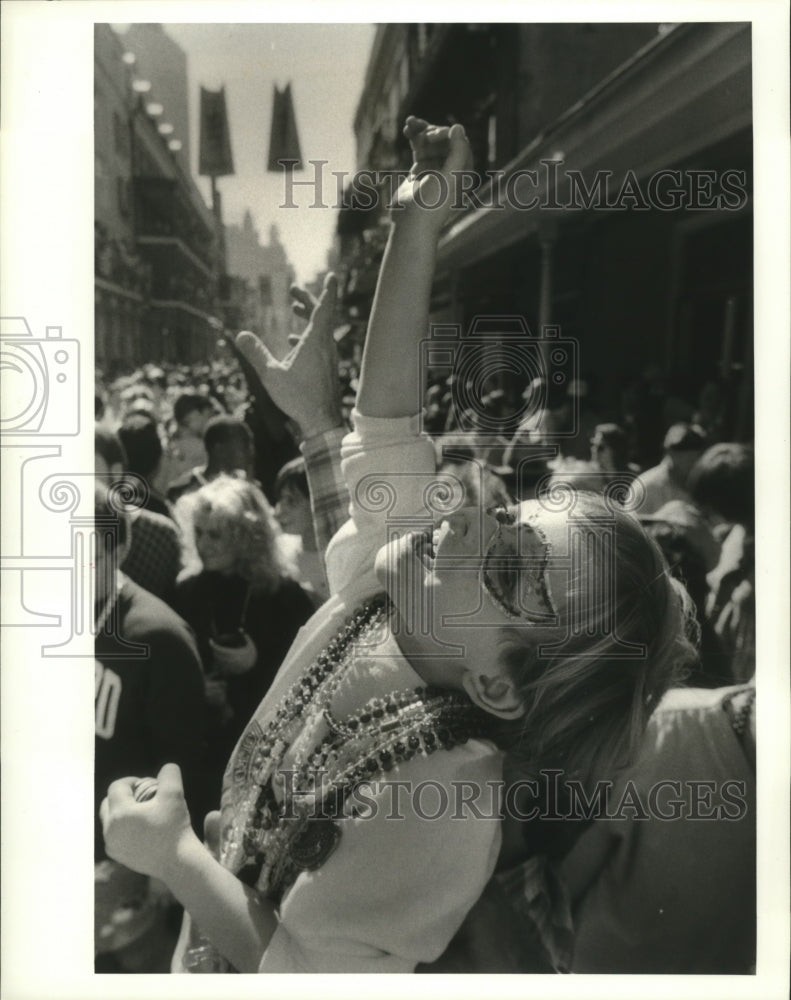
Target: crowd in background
{"x": 221, "y": 566}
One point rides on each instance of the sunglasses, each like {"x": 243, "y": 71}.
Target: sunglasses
{"x": 514, "y": 570}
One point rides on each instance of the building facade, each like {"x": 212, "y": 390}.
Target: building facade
{"x": 615, "y": 195}
{"x": 158, "y": 246}
{"x": 122, "y": 279}
{"x": 160, "y": 60}
{"x": 268, "y": 275}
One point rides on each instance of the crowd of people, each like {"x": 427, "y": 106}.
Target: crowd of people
{"x": 317, "y": 591}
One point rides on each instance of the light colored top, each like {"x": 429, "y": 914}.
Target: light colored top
{"x": 394, "y": 891}
{"x": 671, "y": 880}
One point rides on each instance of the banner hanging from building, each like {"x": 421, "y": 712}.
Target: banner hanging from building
{"x": 283, "y": 138}
{"x": 216, "y": 158}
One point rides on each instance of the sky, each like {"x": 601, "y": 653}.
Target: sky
{"x": 325, "y": 64}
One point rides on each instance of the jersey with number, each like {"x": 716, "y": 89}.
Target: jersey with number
{"x": 149, "y": 698}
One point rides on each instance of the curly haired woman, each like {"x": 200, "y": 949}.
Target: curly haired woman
{"x": 243, "y": 607}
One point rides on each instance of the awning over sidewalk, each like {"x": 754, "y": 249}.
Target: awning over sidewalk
{"x": 684, "y": 92}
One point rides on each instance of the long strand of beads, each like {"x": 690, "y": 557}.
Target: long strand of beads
{"x": 266, "y": 837}
{"x": 386, "y": 731}
{"x": 265, "y": 841}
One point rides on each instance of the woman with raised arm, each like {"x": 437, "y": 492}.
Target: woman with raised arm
{"x": 360, "y": 810}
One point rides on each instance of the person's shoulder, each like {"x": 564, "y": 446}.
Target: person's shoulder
{"x": 183, "y": 484}
{"x": 652, "y": 475}
{"x": 155, "y": 524}
{"x": 692, "y": 729}
{"x": 190, "y": 585}
{"x": 148, "y": 618}
{"x": 178, "y": 488}
{"x": 190, "y": 579}
{"x": 288, "y": 586}
{"x": 157, "y": 504}
{"x": 290, "y": 594}
{"x": 690, "y": 699}
{"x": 141, "y": 603}
{"x": 181, "y": 442}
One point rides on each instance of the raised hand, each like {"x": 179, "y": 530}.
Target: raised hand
{"x": 391, "y": 374}
{"x": 439, "y": 155}
{"x": 304, "y": 384}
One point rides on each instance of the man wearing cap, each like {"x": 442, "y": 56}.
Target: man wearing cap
{"x": 683, "y": 445}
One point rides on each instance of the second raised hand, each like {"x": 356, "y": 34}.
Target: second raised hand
{"x": 303, "y": 384}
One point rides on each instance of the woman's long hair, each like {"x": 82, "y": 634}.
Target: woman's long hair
{"x": 244, "y": 509}
{"x": 586, "y": 704}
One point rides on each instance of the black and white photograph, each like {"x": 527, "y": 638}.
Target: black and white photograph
{"x": 424, "y": 536}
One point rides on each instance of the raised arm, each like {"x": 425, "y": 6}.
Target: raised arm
{"x": 390, "y": 383}
{"x": 305, "y": 387}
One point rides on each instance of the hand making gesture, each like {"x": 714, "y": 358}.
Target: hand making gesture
{"x": 304, "y": 384}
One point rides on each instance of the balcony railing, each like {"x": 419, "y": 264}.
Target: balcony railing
{"x": 161, "y": 211}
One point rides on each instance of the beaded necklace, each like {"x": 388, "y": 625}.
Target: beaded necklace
{"x": 279, "y": 839}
